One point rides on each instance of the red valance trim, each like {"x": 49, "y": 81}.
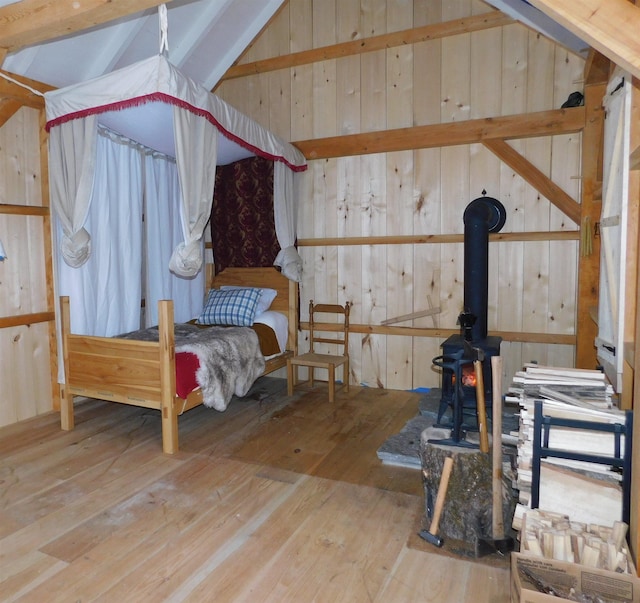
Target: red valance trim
{"x": 172, "y": 100}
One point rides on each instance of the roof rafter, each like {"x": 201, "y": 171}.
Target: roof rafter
{"x": 35, "y": 21}
{"x": 373, "y": 43}
{"x": 610, "y": 26}
{"x": 10, "y": 90}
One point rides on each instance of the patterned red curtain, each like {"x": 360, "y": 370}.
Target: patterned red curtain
{"x": 243, "y": 231}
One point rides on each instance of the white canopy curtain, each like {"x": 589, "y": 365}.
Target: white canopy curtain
{"x": 285, "y": 196}
{"x": 139, "y": 102}
{"x": 106, "y": 290}
{"x": 163, "y": 232}
{"x": 130, "y": 256}
{"x": 196, "y": 143}
{"x": 73, "y": 145}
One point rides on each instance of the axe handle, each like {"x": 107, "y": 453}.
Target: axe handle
{"x": 442, "y": 493}
{"x": 496, "y": 378}
{"x": 482, "y": 409}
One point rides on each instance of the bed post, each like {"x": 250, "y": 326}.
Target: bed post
{"x": 66, "y": 398}
{"x": 167, "y": 376}
{"x": 294, "y": 316}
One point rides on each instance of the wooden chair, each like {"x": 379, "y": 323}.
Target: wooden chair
{"x": 313, "y": 360}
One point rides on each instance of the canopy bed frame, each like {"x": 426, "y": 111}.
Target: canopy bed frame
{"x": 152, "y": 104}
{"x": 143, "y": 373}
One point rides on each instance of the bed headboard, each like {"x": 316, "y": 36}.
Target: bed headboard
{"x": 286, "y": 301}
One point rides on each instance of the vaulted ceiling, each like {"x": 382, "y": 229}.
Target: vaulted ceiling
{"x": 205, "y": 37}
{"x": 60, "y": 42}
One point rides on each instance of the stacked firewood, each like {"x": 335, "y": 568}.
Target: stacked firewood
{"x": 581, "y": 388}
{"x": 573, "y": 394}
{"x": 555, "y": 536}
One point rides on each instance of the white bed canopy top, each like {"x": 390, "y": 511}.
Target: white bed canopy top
{"x": 154, "y": 104}
{"x": 148, "y": 90}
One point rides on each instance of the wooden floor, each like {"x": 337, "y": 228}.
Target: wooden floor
{"x": 280, "y": 499}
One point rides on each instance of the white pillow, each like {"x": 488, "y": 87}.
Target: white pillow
{"x": 264, "y": 301}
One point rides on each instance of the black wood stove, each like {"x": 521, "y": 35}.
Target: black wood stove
{"x": 458, "y": 406}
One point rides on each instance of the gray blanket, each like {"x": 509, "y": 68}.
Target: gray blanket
{"x": 230, "y": 359}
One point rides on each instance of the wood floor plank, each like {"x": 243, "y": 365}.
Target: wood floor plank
{"x": 277, "y": 499}
{"x": 46, "y": 428}
{"x": 88, "y": 577}
{"x": 354, "y": 459}
{"x": 26, "y": 573}
{"x": 341, "y": 550}
{"x": 202, "y": 548}
{"x": 290, "y": 445}
{"x": 149, "y": 549}
{"x": 53, "y": 525}
{"x": 207, "y": 431}
{"x": 8, "y": 524}
{"x": 423, "y": 578}
{"x": 337, "y": 441}
{"x": 225, "y": 579}
{"x": 47, "y": 464}
{"x": 182, "y": 488}
{"x": 47, "y": 500}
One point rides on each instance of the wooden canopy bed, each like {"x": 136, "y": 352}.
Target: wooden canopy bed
{"x": 143, "y": 373}
{"x": 164, "y": 115}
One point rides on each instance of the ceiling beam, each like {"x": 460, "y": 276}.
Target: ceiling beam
{"x": 542, "y": 123}
{"x": 610, "y": 26}
{"x": 380, "y": 42}
{"x": 36, "y": 21}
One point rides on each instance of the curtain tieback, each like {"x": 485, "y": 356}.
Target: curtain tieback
{"x": 186, "y": 259}
{"x": 76, "y": 248}
{"x": 290, "y": 262}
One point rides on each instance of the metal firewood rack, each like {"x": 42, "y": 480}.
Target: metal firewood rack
{"x": 621, "y": 458}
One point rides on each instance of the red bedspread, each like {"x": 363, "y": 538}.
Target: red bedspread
{"x": 186, "y": 366}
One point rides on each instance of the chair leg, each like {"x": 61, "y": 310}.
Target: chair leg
{"x": 345, "y": 368}
{"x": 311, "y": 376}
{"x": 290, "y": 378}
{"x": 332, "y": 382}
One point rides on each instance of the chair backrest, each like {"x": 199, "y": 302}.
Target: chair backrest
{"x": 341, "y": 328}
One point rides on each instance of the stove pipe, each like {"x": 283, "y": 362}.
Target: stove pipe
{"x": 482, "y": 216}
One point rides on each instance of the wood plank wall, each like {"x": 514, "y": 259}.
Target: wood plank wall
{"x": 499, "y": 71}
{"x": 25, "y": 286}
{"x": 502, "y": 71}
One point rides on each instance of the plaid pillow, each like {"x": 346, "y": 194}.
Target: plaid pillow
{"x": 235, "y": 307}
{"x": 266, "y": 296}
